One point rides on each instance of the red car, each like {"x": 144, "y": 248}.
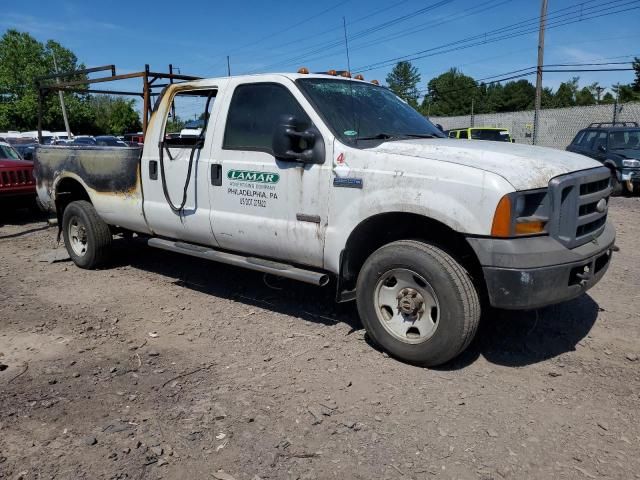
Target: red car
{"x": 17, "y": 185}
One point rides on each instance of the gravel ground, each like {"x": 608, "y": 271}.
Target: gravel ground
{"x": 163, "y": 366}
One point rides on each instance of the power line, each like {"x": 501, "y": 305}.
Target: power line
{"x": 484, "y": 37}
{"x": 324, "y": 46}
{"x": 485, "y": 6}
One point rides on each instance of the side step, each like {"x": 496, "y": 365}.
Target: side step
{"x": 252, "y": 263}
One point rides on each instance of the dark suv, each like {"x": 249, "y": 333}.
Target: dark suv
{"x": 617, "y": 146}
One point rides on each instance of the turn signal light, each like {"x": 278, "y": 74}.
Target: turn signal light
{"x": 502, "y": 219}
{"x": 530, "y": 227}
{"x": 303, "y": 70}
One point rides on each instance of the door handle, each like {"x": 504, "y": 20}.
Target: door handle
{"x": 216, "y": 174}
{"x": 153, "y": 169}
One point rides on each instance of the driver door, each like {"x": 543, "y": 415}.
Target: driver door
{"x": 262, "y": 205}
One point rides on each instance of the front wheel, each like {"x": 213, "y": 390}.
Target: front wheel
{"x": 417, "y": 302}
{"x": 86, "y": 236}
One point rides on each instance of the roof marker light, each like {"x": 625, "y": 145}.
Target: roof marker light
{"x": 375, "y": 82}
{"x": 303, "y": 70}
{"x": 359, "y": 77}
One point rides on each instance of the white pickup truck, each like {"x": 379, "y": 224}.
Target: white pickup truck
{"x": 319, "y": 178}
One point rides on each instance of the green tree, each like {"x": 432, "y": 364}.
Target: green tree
{"x": 403, "y": 81}
{"x": 22, "y": 60}
{"x": 636, "y": 67}
{"x": 565, "y": 96}
{"x": 114, "y": 115}
{"x": 625, "y": 93}
{"x": 585, "y": 96}
{"x": 517, "y": 96}
{"x": 608, "y": 98}
{"x": 451, "y": 93}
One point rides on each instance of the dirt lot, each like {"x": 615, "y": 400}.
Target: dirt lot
{"x": 163, "y": 366}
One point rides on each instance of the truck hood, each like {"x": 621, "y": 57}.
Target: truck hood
{"x": 524, "y": 166}
{"x": 4, "y": 163}
{"x": 632, "y": 153}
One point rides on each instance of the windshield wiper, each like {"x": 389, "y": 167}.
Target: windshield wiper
{"x": 395, "y": 136}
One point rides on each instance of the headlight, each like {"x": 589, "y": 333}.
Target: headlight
{"x": 631, "y": 163}
{"x": 522, "y": 213}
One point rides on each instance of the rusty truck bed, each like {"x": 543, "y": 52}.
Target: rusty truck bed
{"x": 101, "y": 170}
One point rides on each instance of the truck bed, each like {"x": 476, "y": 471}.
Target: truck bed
{"x": 110, "y": 176}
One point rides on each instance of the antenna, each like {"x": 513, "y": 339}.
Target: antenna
{"x": 346, "y": 43}
{"x": 353, "y": 108}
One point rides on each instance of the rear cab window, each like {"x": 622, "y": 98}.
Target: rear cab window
{"x": 188, "y": 118}
{"x": 463, "y": 134}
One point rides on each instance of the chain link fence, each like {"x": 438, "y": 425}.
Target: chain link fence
{"x": 556, "y": 126}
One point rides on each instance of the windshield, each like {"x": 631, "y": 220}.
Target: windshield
{"x": 490, "y": 134}
{"x": 624, "y": 139}
{"x": 359, "y": 111}
{"x": 8, "y": 153}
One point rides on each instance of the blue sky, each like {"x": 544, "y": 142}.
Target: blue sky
{"x": 197, "y": 35}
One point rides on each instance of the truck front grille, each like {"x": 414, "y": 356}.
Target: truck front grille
{"x": 576, "y": 198}
{"x": 16, "y": 177}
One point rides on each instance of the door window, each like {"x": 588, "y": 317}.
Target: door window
{"x": 254, "y": 112}
{"x": 587, "y": 139}
{"x": 599, "y": 141}
{"x": 579, "y": 137}
{"x": 188, "y": 118}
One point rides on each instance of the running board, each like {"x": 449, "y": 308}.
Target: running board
{"x": 252, "y": 263}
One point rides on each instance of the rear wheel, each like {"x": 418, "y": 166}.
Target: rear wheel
{"x": 86, "y": 236}
{"x": 417, "y": 302}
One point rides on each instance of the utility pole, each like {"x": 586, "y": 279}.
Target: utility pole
{"x": 61, "y": 96}
{"x": 599, "y": 91}
{"x": 538, "y": 104}
{"x": 228, "y": 66}
{"x": 473, "y": 100}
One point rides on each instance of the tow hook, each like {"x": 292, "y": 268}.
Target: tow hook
{"x": 585, "y": 276}
{"x": 615, "y": 248}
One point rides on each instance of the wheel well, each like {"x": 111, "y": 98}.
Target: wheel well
{"x": 68, "y": 190}
{"x": 385, "y": 228}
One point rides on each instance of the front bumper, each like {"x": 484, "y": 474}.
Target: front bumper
{"x": 630, "y": 174}
{"x": 534, "y": 272}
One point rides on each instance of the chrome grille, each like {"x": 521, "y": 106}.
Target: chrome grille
{"x": 576, "y": 219}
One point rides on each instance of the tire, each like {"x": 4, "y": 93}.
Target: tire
{"x": 86, "y": 236}
{"x": 438, "y": 322}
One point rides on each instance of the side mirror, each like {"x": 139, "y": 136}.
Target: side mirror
{"x": 295, "y": 141}
{"x": 28, "y": 155}
{"x": 602, "y": 148}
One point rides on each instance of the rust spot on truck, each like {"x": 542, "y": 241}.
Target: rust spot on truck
{"x": 105, "y": 170}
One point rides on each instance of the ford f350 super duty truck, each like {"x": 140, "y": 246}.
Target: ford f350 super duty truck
{"x": 315, "y": 177}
